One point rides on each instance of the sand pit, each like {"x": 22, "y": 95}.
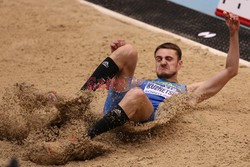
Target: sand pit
{"x": 50, "y": 133}
{"x": 55, "y": 46}
{"x": 53, "y": 131}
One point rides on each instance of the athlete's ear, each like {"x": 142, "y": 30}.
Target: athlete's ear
{"x": 180, "y": 64}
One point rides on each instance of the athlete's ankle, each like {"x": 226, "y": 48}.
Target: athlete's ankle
{"x": 115, "y": 118}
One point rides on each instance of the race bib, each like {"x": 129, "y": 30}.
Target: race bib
{"x": 158, "y": 90}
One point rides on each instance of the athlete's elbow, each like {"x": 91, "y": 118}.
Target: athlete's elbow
{"x": 232, "y": 72}
{"x": 235, "y": 73}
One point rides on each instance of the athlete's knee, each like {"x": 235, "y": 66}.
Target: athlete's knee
{"x": 133, "y": 97}
{"x": 136, "y": 105}
{"x": 137, "y": 99}
{"x": 126, "y": 54}
{"x": 129, "y": 51}
{"x": 136, "y": 94}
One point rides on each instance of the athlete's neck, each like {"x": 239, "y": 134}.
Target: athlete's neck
{"x": 172, "y": 79}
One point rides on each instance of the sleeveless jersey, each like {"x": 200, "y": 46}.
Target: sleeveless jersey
{"x": 158, "y": 90}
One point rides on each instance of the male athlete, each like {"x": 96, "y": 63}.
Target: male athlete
{"x": 140, "y": 103}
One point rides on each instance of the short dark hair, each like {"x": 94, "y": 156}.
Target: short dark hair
{"x": 170, "y": 45}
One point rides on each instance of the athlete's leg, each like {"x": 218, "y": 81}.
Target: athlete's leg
{"x": 121, "y": 63}
{"x": 125, "y": 58}
{"x": 134, "y": 106}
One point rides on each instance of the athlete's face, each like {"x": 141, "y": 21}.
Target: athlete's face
{"x": 167, "y": 63}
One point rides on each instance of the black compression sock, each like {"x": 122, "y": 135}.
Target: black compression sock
{"x": 106, "y": 70}
{"x": 113, "y": 119}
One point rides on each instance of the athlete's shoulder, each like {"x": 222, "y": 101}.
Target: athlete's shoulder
{"x": 182, "y": 88}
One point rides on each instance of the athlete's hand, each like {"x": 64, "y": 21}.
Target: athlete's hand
{"x": 232, "y": 21}
{"x": 116, "y": 44}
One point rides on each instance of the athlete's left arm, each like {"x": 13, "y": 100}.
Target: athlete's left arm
{"x": 204, "y": 90}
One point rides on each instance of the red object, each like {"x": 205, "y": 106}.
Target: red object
{"x": 243, "y": 20}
